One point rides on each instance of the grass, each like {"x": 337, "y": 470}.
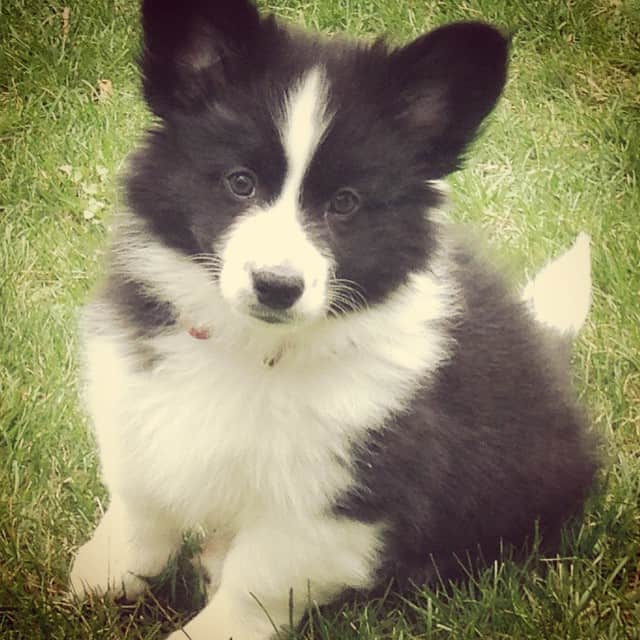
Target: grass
{"x": 560, "y": 154}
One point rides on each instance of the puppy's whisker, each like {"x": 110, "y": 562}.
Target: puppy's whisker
{"x": 352, "y": 288}
{"x": 211, "y": 262}
{"x": 346, "y": 295}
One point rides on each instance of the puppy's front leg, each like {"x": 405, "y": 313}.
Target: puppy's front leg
{"x": 317, "y": 558}
{"x": 128, "y": 544}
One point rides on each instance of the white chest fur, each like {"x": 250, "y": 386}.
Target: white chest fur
{"x": 211, "y": 433}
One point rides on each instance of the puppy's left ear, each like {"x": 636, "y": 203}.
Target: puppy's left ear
{"x": 445, "y": 84}
{"x": 194, "y": 49}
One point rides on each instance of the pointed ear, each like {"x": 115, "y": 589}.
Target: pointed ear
{"x": 447, "y": 82}
{"x": 190, "y": 47}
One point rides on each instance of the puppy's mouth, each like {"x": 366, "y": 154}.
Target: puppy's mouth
{"x": 271, "y": 316}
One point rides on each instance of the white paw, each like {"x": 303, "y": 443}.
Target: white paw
{"x": 211, "y": 561}
{"x": 122, "y": 552}
{"x": 189, "y": 632}
{"x": 228, "y": 616}
{"x": 98, "y": 570}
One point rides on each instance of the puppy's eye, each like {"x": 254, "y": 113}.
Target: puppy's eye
{"x": 242, "y": 183}
{"x": 344, "y": 203}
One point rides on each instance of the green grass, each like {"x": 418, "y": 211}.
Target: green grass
{"x": 560, "y": 154}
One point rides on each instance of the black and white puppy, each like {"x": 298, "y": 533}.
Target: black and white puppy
{"x": 293, "y": 352}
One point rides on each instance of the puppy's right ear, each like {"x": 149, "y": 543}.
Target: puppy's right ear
{"x": 444, "y": 84}
{"x": 193, "y": 48}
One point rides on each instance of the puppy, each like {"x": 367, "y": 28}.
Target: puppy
{"x": 293, "y": 352}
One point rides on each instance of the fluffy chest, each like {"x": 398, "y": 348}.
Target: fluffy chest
{"x": 212, "y": 436}
{"x": 208, "y": 430}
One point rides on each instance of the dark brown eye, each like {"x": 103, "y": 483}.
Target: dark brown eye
{"x": 344, "y": 203}
{"x": 242, "y": 183}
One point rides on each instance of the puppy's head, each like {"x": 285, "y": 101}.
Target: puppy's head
{"x": 298, "y": 170}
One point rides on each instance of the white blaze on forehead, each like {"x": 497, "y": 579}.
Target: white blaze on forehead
{"x": 274, "y": 235}
{"x": 304, "y": 122}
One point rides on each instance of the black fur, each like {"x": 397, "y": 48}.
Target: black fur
{"x": 494, "y": 450}
{"x": 134, "y": 300}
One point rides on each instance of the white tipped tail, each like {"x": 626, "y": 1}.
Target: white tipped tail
{"x": 559, "y": 296}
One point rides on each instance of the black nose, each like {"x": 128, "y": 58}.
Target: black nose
{"x": 277, "y": 288}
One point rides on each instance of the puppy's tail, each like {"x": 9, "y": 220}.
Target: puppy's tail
{"x": 559, "y": 296}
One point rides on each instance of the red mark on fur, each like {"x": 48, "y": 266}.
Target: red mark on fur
{"x": 199, "y": 334}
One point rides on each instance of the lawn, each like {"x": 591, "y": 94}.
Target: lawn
{"x": 561, "y": 154}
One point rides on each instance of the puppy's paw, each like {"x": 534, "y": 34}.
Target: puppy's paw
{"x": 99, "y": 571}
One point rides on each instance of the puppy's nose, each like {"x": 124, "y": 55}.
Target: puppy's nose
{"x": 277, "y": 287}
